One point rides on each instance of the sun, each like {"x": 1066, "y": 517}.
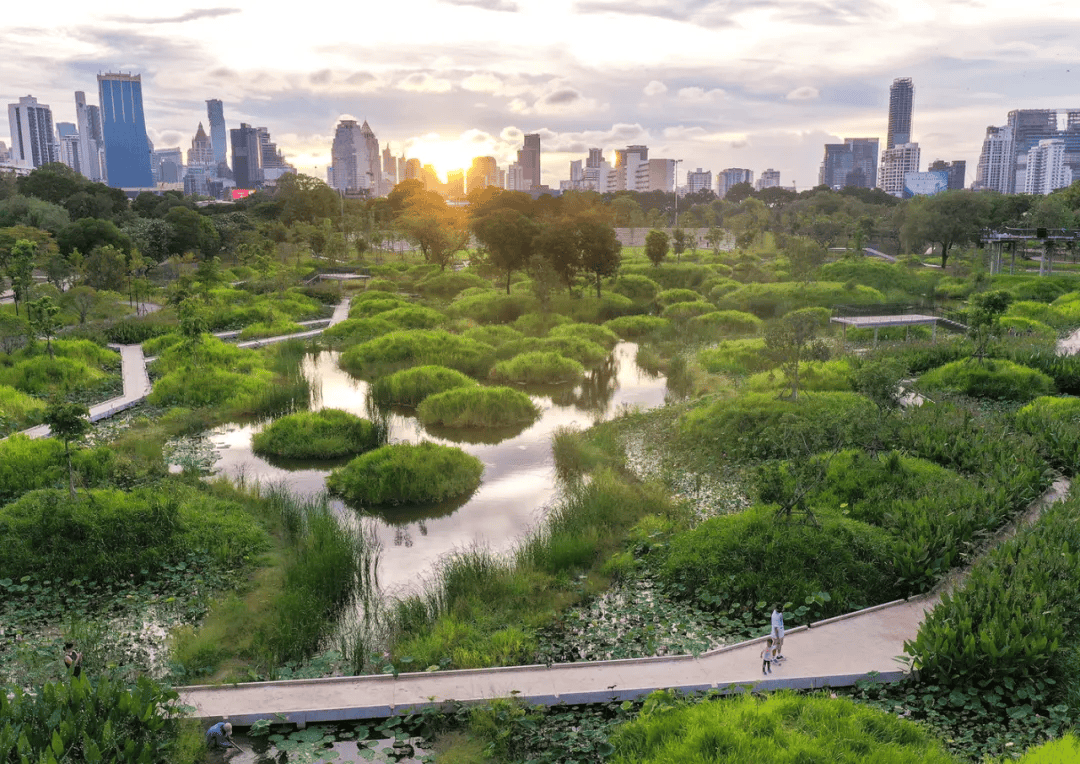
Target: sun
{"x": 444, "y": 154}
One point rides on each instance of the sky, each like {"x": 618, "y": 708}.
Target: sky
{"x": 714, "y": 83}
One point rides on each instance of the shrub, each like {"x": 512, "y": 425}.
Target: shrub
{"x": 158, "y": 345}
{"x": 368, "y": 308}
{"x": 409, "y": 387}
{"x": 745, "y": 356}
{"x": 277, "y": 328}
{"x": 877, "y": 274}
{"x": 726, "y": 322}
{"x": 753, "y": 556}
{"x": 777, "y": 728}
{"x": 324, "y": 434}
{"x": 1026, "y": 327}
{"x": 601, "y": 335}
{"x": 493, "y": 307}
{"x": 999, "y": 379}
{"x": 638, "y": 288}
{"x": 375, "y": 294}
{"x": 683, "y": 311}
{"x": 813, "y": 375}
{"x": 539, "y": 324}
{"x": 407, "y": 474}
{"x": 582, "y": 350}
{"x": 208, "y": 385}
{"x": 493, "y": 334}
{"x": 413, "y": 317}
{"x": 589, "y": 309}
{"x": 382, "y": 285}
{"x": 353, "y": 331}
{"x": 634, "y": 327}
{"x": 1055, "y": 424}
{"x": 671, "y": 275}
{"x": 776, "y": 299}
{"x": 671, "y": 296}
{"x": 413, "y": 347}
{"x": 42, "y": 375}
{"x": 722, "y": 287}
{"x": 447, "y": 284}
{"x": 537, "y": 367}
{"x": 477, "y": 407}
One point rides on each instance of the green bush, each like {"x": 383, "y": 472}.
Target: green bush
{"x": 635, "y": 327}
{"x": 1034, "y": 288}
{"x": 640, "y": 289}
{"x": 324, "y": 434}
{"x": 27, "y": 464}
{"x": 477, "y": 407}
{"x": 18, "y": 409}
{"x": 158, "y": 345}
{"x": 1026, "y": 327}
{"x": 601, "y": 335}
{"x": 208, "y": 385}
{"x": 671, "y": 296}
{"x": 588, "y": 309}
{"x": 415, "y": 347}
{"x": 539, "y": 324}
{"x": 813, "y": 375}
{"x": 761, "y": 426}
{"x": 776, "y": 299}
{"x": 448, "y": 284}
{"x": 409, "y": 387}
{"x": 407, "y": 474}
{"x": 778, "y": 728}
{"x": 45, "y": 376}
{"x": 879, "y": 275}
{"x": 670, "y": 275}
{"x": 722, "y": 287}
{"x": 726, "y": 322}
{"x": 537, "y": 367}
{"x": 376, "y": 294}
{"x": 493, "y": 307}
{"x": 353, "y": 331}
{"x": 576, "y": 347}
{"x": 413, "y": 317}
{"x": 382, "y": 285}
{"x": 495, "y": 335}
{"x": 744, "y": 356}
{"x": 277, "y": 328}
{"x": 368, "y": 308}
{"x": 994, "y": 378}
{"x": 1055, "y": 424}
{"x": 684, "y": 311}
{"x": 753, "y": 556}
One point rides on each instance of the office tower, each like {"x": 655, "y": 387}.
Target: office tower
{"x": 412, "y": 169}
{"x": 596, "y": 158}
{"x": 769, "y": 179}
{"x": 699, "y": 180}
{"x": 168, "y": 165}
{"x": 995, "y": 160}
{"x": 246, "y": 156}
{"x": 601, "y": 178}
{"x": 273, "y": 161}
{"x": 202, "y": 151}
{"x": 215, "y": 113}
{"x": 1031, "y": 126}
{"x": 69, "y": 143}
{"x": 483, "y": 173}
{"x": 577, "y": 177}
{"x": 1046, "y": 170}
{"x": 895, "y": 164}
{"x": 455, "y": 184}
{"x": 901, "y": 102}
{"x": 955, "y": 170}
{"x": 5, "y": 155}
{"x": 389, "y": 169}
{"x": 515, "y": 177}
{"x": 127, "y": 150}
{"x": 32, "y": 141}
{"x": 851, "y": 163}
{"x": 91, "y": 140}
{"x": 732, "y": 176}
{"x": 529, "y": 160}
{"x": 401, "y": 164}
{"x": 355, "y": 158}
{"x": 656, "y": 175}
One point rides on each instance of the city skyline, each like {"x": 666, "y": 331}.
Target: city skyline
{"x": 714, "y": 84}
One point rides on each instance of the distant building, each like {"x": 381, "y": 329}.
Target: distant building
{"x": 596, "y": 158}
{"x": 529, "y": 160}
{"x": 901, "y": 105}
{"x": 994, "y": 171}
{"x": 356, "y": 159}
{"x": 851, "y": 163}
{"x": 1046, "y": 170}
{"x": 732, "y": 176}
{"x": 202, "y": 150}
{"x": 5, "y": 155}
{"x": 769, "y": 179}
{"x": 168, "y": 165}
{"x": 215, "y": 113}
{"x": 577, "y": 177}
{"x": 956, "y": 171}
{"x": 699, "y": 180}
{"x": 660, "y": 176}
{"x": 389, "y": 169}
{"x": 246, "y": 157}
{"x": 127, "y": 149}
{"x": 925, "y": 183}
{"x": 273, "y": 161}
{"x": 91, "y": 139}
{"x": 483, "y": 173}
{"x": 455, "y": 184}
{"x": 515, "y": 178}
{"x": 68, "y": 141}
{"x": 896, "y": 163}
{"x": 412, "y": 169}
{"x": 1031, "y": 126}
{"x": 32, "y": 141}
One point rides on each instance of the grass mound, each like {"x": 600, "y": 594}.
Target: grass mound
{"x": 406, "y": 474}
{"x": 402, "y": 349}
{"x": 996, "y": 378}
{"x": 493, "y": 334}
{"x": 633, "y": 327}
{"x": 413, "y": 317}
{"x": 478, "y": 407}
{"x": 325, "y": 434}
{"x": 727, "y": 322}
{"x": 601, "y": 335}
{"x": 353, "y": 331}
{"x": 537, "y": 368}
{"x": 409, "y": 387}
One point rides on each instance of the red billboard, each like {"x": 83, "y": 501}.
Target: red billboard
{"x": 241, "y": 193}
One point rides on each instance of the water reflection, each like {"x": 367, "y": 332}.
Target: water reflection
{"x": 519, "y": 477}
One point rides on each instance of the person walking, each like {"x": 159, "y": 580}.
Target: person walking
{"x": 778, "y": 631}
{"x": 767, "y": 656}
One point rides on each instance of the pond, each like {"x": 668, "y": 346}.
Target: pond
{"x": 519, "y": 478}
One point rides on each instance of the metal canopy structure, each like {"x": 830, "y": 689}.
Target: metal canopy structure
{"x": 877, "y": 322}
{"x": 998, "y": 241}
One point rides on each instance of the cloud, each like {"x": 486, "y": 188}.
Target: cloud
{"x": 700, "y": 95}
{"x": 482, "y": 82}
{"x": 195, "y": 15}
{"x": 488, "y": 5}
{"x": 422, "y": 82}
{"x": 321, "y": 77}
{"x": 656, "y": 87}
{"x": 359, "y": 78}
{"x": 805, "y": 93}
{"x": 561, "y": 97}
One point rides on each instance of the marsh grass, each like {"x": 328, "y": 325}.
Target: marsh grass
{"x": 323, "y": 434}
{"x": 403, "y": 473}
{"x": 478, "y": 407}
{"x": 409, "y": 387}
{"x": 537, "y": 368}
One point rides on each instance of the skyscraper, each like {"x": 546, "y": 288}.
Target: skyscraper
{"x": 699, "y": 180}
{"x": 769, "y": 179}
{"x": 483, "y": 173}
{"x": 91, "y": 141}
{"x": 1046, "y": 170}
{"x": 127, "y": 150}
{"x": 895, "y": 164}
{"x": 355, "y": 158}
{"x": 32, "y": 141}
{"x": 202, "y": 150}
{"x": 956, "y": 171}
{"x": 901, "y": 103}
{"x": 529, "y": 160}
{"x": 215, "y": 113}
{"x": 1029, "y": 127}
{"x": 246, "y": 157}
{"x": 732, "y": 176}
{"x": 994, "y": 172}
{"x": 68, "y": 140}
{"x": 851, "y": 163}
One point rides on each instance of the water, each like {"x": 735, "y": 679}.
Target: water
{"x": 518, "y": 482}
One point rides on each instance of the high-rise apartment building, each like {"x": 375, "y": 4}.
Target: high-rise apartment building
{"x": 1045, "y": 169}
{"x": 127, "y": 150}
{"x": 455, "y": 184}
{"x": 215, "y": 113}
{"x": 699, "y": 180}
{"x": 956, "y": 171}
{"x": 659, "y": 175}
{"x": 515, "y": 178}
{"x": 68, "y": 140}
{"x": 529, "y": 160}
{"x": 246, "y": 157}
{"x": 994, "y": 172}
{"x": 895, "y": 164}
{"x": 32, "y": 140}
{"x": 596, "y": 158}
{"x": 168, "y": 165}
{"x": 91, "y": 140}
{"x": 483, "y": 173}
{"x": 901, "y": 104}
{"x": 725, "y": 179}
{"x": 851, "y": 163}
{"x": 769, "y": 179}
{"x": 355, "y": 158}
{"x": 1031, "y": 126}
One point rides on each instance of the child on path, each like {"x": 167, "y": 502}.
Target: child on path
{"x": 778, "y": 630}
{"x": 767, "y": 657}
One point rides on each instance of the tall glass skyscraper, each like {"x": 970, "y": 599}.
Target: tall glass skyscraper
{"x": 901, "y": 104}
{"x": 215, "y": 111}
{"x": 127, "y": 150}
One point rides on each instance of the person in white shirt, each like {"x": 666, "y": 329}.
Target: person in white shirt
{"x": 778, "y": 630}
{"x": 767, "y": 657}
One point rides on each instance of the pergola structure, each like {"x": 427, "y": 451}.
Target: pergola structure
{"x": 877, "y": 322}
{"x": 1010, "y": 238}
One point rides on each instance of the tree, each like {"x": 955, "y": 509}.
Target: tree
{"x": 879, "y": 380}
{"x": 191, "y": 231}
{"x": 81, "y": 300}
{"x": 715, "y": 238}
{"x": 438, "y": 240}
{"x": 69, "y": 422}
{"x": 737, "y": 193}
{"x": 556, "y": 245}
{"x": 508, "y": 237}
{"x": 105, "y": 267}
{"x": 984, "y": 319}
{"x": 948, "y": 219}
{"x": 792, "y": 340}
{"x": 35, "y": 213}
{"x": 44, "y": 317}
{"x": 656, "y": 246}
{"x": 748, "y": 222}
{"x": 19, "y": 269}
{"x": 601, "y": 250}
{"x": 88, "y": 233}
{"x": 804, "y": 255}
{"x": 192, "y": 325}
{"x": 678, "y": 243}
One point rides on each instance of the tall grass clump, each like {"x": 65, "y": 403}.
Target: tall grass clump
{"x": 478, "y": 407}
{"x": 669, "y": 297}
{"x": 539, "y": 324}
{"x": 640, "y": 289}
{"x": 373, "y": 307}
{"x": 353, "y": 331}
{"x": 635, "y": 327}
{"x": 1055, "y": 424}
{"x": 409, "y": 387}
{"x": 18, "y": 409}
{"x": 726, "y": 322}
{"x": 540, "y": 367}
{"x": 324, "y": 434}
{"x": 493, "y": 307}
{"x": 777, "y": 728}
{"x": 994, "y": 378}
{"x": 448, "y": 284}
{"x": 813, "y": 376}
{"x": 601, "y": 335}
{"x": 415, "y": 347}
{"x": 413, "y": 317}
{"x": 493, "y": 334}
{"x": 403, "y": 473}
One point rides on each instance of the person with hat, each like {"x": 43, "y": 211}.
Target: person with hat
{"x": 220, "y": 736}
